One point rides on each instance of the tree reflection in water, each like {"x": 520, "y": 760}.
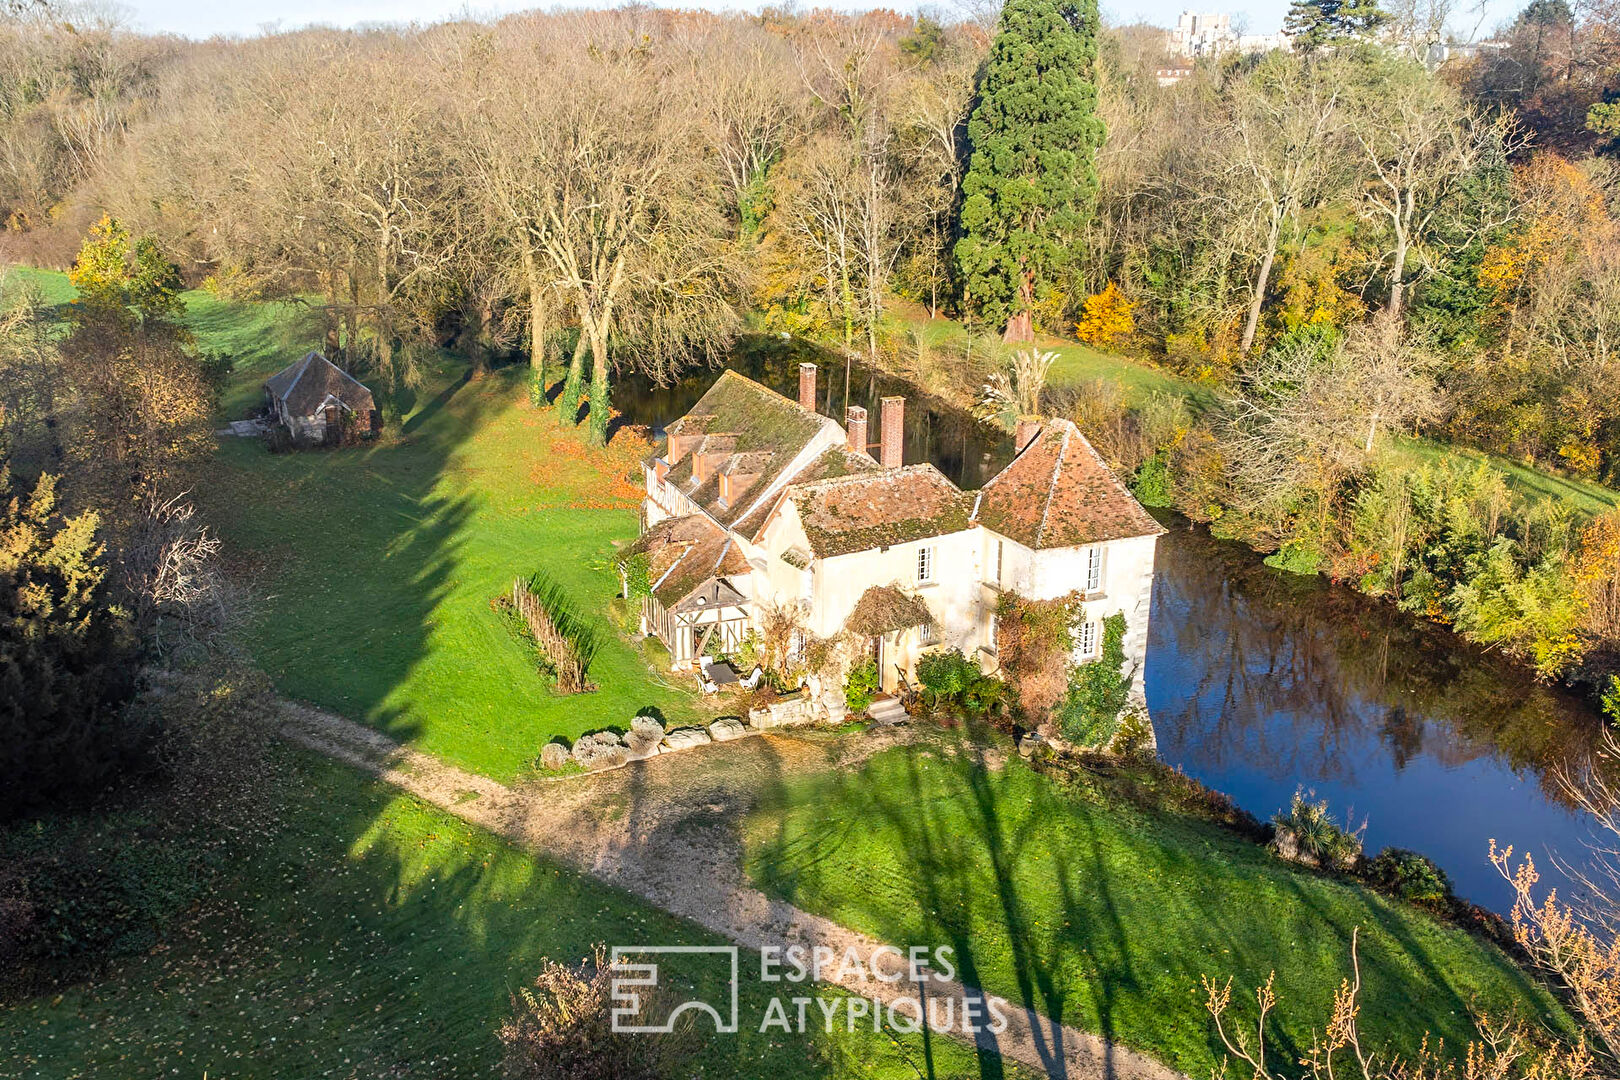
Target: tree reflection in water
{"x": 1260, "y": 682}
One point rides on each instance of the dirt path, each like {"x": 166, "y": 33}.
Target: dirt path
{"x": 667, "y": 830}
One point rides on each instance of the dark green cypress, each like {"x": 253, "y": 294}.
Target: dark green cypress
{"x": 1031, "y": 180}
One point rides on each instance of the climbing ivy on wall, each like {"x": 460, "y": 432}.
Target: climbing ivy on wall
{"x": 1089, "y": 713}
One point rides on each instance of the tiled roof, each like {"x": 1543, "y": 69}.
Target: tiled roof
{"x": 739, "y": 416}
{"x": 834, "y": 462}
{"x": 306, "y": 384}
{"x": 683, "y": 555}
{"x": 1058, "y": 493}
{"x": 878, "y": 509}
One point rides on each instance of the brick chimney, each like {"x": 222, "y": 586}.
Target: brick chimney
{"x": 891, "y": 436}
{"x": 1024, "y": 434}
{"x": 855, "y": 423}
{"x": 807, "y": 387}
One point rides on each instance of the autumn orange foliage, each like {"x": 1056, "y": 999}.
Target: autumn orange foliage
{"x": 1106, "y": 318}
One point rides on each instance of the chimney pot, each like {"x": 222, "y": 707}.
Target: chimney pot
{"x": 855, "y": 423}
{"x": 807, "y": 387}
{"x": 1024, "y": 433}
{"x": 892, "y": 434}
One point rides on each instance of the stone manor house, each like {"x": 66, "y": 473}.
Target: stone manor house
{"x": 758, "y": 502}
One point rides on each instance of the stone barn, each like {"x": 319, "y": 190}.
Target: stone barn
{"x": 318, "y": 402}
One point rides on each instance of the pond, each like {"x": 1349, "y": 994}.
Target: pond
{"x": 1261, "y": 682}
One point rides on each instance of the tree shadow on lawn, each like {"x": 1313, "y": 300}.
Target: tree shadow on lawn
{"x": 931, "y": 846}
{"x": 366, "y": 927}
{"x": 1042, "y": 901}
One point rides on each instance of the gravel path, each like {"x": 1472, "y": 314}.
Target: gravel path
{"x": 666, "y": 830}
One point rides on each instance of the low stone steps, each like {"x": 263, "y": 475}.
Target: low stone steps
{"x": 887, "y": 711}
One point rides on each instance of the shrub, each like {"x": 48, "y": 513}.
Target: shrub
{"x": 1135, "y": 736}
{"x": 1306, "y": 832}
{"x": 1153, "y": 485}
{"x": 554, "y": 756}
{"x": 1410, "y": 876}
{"x": 1034, "y": 639}
{"x": 66, "y": 658}
{"x": 861, "y": 686}
{"x": 600, "y": 751}
{"x": 985, "y": 697}
{"x": 561, "y": 1029}
{"x": 1106, "y": 318}
{"x": 946, "y": 675}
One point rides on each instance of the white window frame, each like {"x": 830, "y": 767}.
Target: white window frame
{"x": 1094, "y": 570}
{"x": 1085, "y": 640}
{"x": 928, "y": 634}
{"x": 925, "y": 564}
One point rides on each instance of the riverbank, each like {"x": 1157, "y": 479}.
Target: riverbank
{"x": 1105, "y": 913}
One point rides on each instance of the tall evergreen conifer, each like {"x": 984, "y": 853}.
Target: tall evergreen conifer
{"x": 1317, "y": 24}
{"x": 1031, "y": 181}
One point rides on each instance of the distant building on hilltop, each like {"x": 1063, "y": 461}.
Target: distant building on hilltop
{"x": 1199, "y": 34}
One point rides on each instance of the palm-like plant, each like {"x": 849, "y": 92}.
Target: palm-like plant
{"x": 1015, "y": 390}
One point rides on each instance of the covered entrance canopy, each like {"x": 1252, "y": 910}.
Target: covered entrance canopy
{"x": 882, "y": 615}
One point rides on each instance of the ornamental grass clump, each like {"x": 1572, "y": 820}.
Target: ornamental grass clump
{"x": 566, "y": 642}
{"x": 1307, "y": 833}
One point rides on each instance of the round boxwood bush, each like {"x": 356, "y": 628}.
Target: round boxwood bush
{"x": 1410, "y": 876}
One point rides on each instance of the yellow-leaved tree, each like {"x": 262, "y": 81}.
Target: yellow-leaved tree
{"x": 1106, "y": 318}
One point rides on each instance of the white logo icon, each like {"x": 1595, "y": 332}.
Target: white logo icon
{"x": 630, "y": 978}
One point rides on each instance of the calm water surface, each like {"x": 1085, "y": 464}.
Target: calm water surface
{"x": 1261, "y": 682}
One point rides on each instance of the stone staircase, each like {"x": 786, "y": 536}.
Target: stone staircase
{"x": 887, "y": 711}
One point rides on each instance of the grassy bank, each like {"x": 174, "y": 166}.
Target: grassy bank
{"x": 373, "y": 570}
{"x": 1106, "y": 915}
{"x": 369, "y": 935}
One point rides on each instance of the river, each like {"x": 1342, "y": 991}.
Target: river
{"x": 1261, "y": 682}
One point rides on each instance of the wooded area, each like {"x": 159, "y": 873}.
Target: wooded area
{"x": 1344, "y": 244}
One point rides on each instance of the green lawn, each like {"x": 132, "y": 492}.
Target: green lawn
{"x": 1076, "y": 363}
{"x": 373, "y": 569}
{"x": 369, "y": 935}
{"x": 1587, "y": 497}
{"x": 368, "y": 572}
{"x": 1105, "y": 915}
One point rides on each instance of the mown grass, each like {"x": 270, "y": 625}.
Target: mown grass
{"x": 369, "y": 935}
{"x": 1076, "y": 365}
{"x": 1106, "y": 916}
{"x": 373, "y": 569}
{"x": 1588, "y": 498}
{"x": 367, "y": 572}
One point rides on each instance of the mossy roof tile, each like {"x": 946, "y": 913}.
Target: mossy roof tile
{"x": 1059, "y": 493}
